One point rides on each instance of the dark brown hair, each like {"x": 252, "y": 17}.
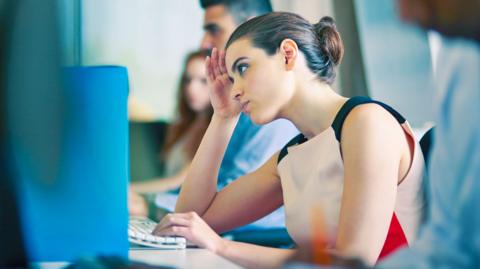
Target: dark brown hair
{"x": 320, "y": 43}
{"x": 186, "y": 116}
{"x": 241, "y": 10}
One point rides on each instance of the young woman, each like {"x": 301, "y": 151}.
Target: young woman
{"x": 194, "y": 112}
{"x": 356, "y": 164}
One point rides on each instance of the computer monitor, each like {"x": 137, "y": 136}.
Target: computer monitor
{"x": 12, "y": 252}
{"x": 67, "y": 135}
{"x": 11, "y": 240}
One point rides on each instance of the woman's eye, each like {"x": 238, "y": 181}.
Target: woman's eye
{"x": 242, "y": 68}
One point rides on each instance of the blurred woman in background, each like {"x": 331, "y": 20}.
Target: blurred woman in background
{"x": 193, "y": 115}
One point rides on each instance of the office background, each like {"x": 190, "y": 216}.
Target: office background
{"x": 151, "y": 37}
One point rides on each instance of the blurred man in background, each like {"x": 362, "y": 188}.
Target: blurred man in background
{"x": 450, "y": 237}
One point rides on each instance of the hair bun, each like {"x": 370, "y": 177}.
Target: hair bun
{"x": 329, "y": 39}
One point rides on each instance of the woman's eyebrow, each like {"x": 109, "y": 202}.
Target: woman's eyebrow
{"x": 234, "y": 65}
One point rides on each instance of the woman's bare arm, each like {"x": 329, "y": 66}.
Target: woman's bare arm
{"x": 200, "y": 186}
{"x": 373, "y": 144}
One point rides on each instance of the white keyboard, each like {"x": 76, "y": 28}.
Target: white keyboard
{"x": 140, "y": 233}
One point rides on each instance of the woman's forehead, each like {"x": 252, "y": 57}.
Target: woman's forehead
{"x": 236, "y": 49}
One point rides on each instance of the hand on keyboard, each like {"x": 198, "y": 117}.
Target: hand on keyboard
{"x": 140, "y": 233}
{"x": 191, "y": 226}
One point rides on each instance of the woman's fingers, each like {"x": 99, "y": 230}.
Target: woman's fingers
{"x": 191, "y": 226}
{"x": 175, "y": 231}
{"x": 208, "y": 67}
{"x": 216, "y": 68}
{"x": 221, "y": 63}
{"x": 225, "y": 81}
{"x": 179, "y": 219}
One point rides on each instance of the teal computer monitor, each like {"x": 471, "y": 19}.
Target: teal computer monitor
{"x": 67, "y": 141}
{"x": 79, "y": 208}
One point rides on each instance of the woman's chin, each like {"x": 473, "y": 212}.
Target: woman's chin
{"x": 259, "y": 120}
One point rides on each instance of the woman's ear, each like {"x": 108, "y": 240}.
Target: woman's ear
{"x": 289, "y": 50}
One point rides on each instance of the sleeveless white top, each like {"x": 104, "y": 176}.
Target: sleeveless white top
{"x": 312, "y": 178}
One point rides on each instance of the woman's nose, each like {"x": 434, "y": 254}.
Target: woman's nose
{"x": 237, "y": 97}
{"x": 237, "y": 94}
{"x": 206, "y": 42}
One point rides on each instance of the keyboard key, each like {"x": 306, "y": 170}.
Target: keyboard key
{"x": 131, "y": 233}
{"x": 150, "y": 237}
{"x": 170, "y": 240}
{"x": 141, "y": 236}
{"x": 180, "y": 240}
{"x": 159, "y": 239}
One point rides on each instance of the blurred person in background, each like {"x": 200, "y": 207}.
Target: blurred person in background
{"x": 193, "y": 112}
{"x": 451, "y": 236}
{"x": 452, "y": 18}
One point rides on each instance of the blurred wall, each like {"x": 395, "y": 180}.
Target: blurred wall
{"x": 150, "y": 37}
{"x": 311, "y": 10}
{"x": 397, "y": 60}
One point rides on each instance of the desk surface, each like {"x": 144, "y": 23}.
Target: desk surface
{"x": 187, "y": 258}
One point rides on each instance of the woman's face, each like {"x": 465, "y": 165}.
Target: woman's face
{"x": 261, "y": 82}
{"x": 196, "y": 90}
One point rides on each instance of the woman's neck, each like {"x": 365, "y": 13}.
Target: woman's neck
{"x": 313, "y": 107}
